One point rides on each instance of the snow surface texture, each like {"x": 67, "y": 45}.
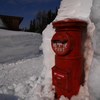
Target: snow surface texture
{"x": 74, "y": 9}
{"x": 94, "y": 78}
{"x": 19, "y": 78}
{"x": 44, "y": 89}
{"x": 18, "y": 45}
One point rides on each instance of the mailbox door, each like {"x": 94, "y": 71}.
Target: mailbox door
{"x": 61, "y": 80}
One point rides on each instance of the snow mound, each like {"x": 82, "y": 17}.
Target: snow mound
{"x": 21, "y": 64}
{"x": 44, "y": 89}
{"x": 74, "y": 9}
{"x": 79, "y": 9}
{"x": 94, "y": 77}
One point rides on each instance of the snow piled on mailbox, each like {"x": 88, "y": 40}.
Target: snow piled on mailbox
{"x": 68, "y": 9}
{"x": 94, "y": 77}
{"x": 74, "y": 9}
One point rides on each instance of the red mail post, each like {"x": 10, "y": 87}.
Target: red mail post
{"x": 67, "y": 44}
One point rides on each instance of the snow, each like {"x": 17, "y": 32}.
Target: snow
{"x": 94, "y": 77}
{"x": 74, "y": 9}
{"x": 44, "y": 89}
{"x": 18, "y": 79}
{"x": 18, "y": 45}
{"x": 21, "y": 63}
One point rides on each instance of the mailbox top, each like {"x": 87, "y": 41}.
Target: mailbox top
{"x": 70, "y": 24}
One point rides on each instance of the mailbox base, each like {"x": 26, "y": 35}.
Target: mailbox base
{"x": 61, "y": 92}
{"x": 65, "y": 83}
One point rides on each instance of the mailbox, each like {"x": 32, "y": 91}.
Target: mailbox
{"x": 67, "y": 43}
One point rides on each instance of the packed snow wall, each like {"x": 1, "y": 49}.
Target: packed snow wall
{"x": 68, "y": 9}
{"x": 79, "y": 9}
{"x": 94, "y": 76}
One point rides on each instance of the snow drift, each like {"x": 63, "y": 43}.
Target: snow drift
{"x": 94, "y": 79}
{"x": 18, "y": 45}
{"x": 22, "y": 64}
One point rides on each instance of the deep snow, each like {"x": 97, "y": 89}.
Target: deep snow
{"x": 94, "y": 77}
{"x": 21, "y": 63}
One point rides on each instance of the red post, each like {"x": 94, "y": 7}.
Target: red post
{"x": 67, "y": 44}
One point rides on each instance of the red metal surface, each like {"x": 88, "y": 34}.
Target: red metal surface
{"x": 67, "y": 44}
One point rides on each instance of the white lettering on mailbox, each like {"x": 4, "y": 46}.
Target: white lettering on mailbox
{"x": 59, "y": 44}
{"x": 59, "y": 47}
{"x": 59, "y": 75}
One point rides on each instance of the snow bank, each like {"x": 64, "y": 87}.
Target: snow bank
{"x": 44, "y": 89}
{"x": 19, "y": 45}
{"x": 18, "y": 75}
{"x": 74, "y": 9}
{"x": 68, "y": 9}
{"x": 18, "y": 79}
{"x": 94, "y": 77}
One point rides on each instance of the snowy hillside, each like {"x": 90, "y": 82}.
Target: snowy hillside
{"x": 18, "y": 45}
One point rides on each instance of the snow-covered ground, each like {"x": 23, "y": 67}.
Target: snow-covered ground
{"x": 21, "y": 63}
{"x": 18, "y": 45}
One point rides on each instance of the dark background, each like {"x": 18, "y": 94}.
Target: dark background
{"x": 29, "y": 9}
